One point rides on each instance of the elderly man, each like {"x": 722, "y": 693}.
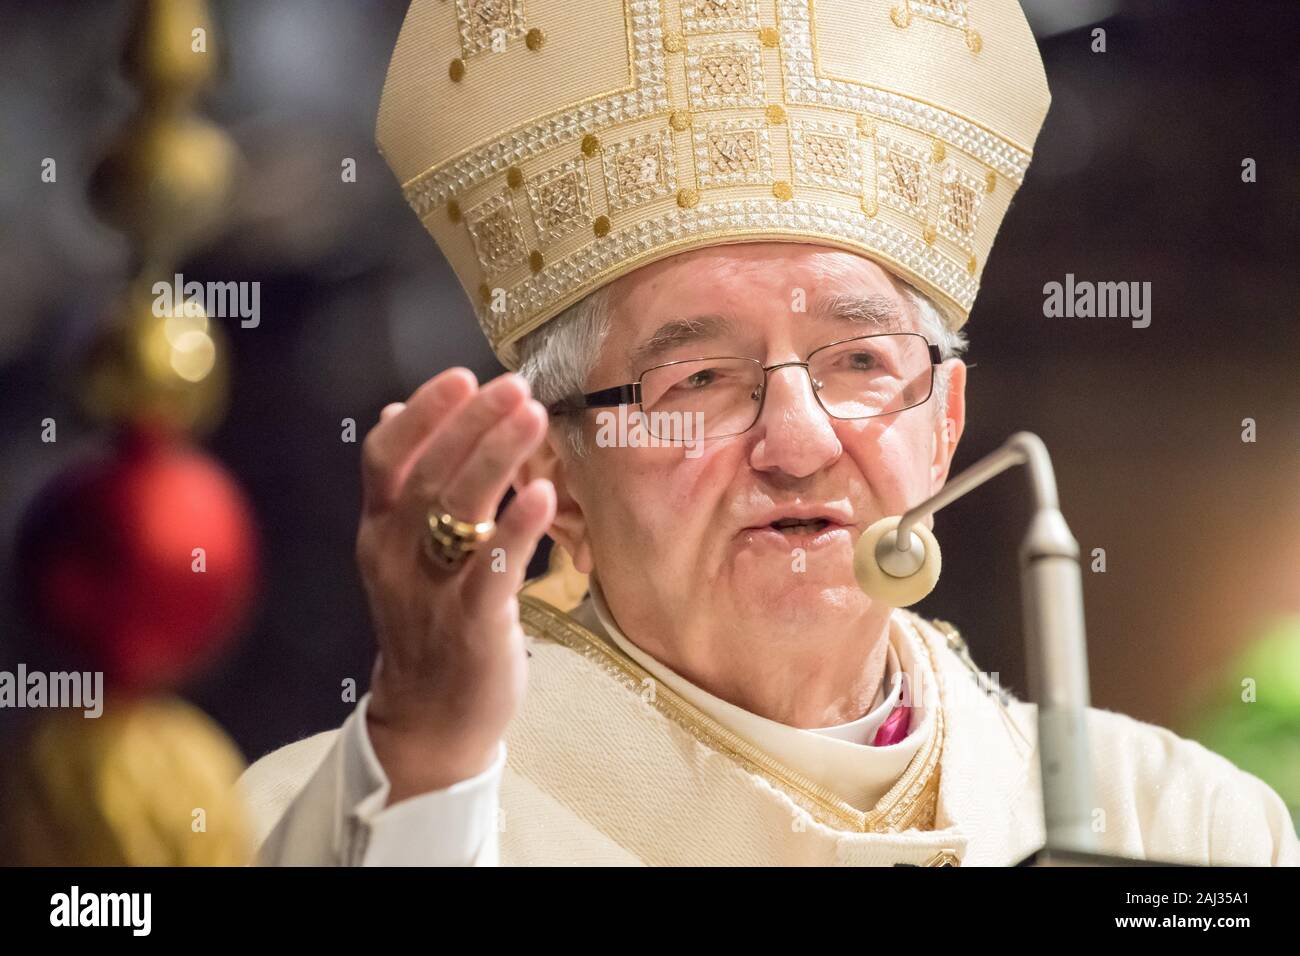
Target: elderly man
{"x": 759, "y": 225}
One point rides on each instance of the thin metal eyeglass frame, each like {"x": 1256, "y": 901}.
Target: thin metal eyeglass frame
{"x": 630, "y": 393}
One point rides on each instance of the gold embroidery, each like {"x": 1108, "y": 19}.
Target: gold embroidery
{"x": 903, "y": 177}
{"x": 731, "y": 152}
{"x": 725, "y": 75}
{"x": 909, "y": 804}
{"x": 959, "y": 207}
{"x": 735, "y": 152}
{"x": 809, "y": 81}
{"x": 951, "y": 13}
{"x": 482, "y": 21}
{"x": 1002, "y": 697}
{"x": 559, "y": 200}
{"x": 944, "y": 857}
{"x": 497, "y": 235}
{"x": 712, "y": 16}
{"x": 826, "y": 155}
{"x": 639, "y": 169}
{"x": 960, "y": 204}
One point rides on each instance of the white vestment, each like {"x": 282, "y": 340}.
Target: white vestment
{"x": 614, "y": 759}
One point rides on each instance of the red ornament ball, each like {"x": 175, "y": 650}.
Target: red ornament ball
{"x": 144, "y": 562}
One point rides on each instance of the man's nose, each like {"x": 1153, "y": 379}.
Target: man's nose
{"x": 795, "y": 433}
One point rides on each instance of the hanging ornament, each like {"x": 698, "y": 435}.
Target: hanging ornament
{"x": 158, "y": 363}
{"x": 166, "y": 178}
{"x": 149, "y": 783}
{"x": 144, "y": 562}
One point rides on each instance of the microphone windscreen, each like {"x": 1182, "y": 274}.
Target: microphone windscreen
{"x": 877, "y": 583}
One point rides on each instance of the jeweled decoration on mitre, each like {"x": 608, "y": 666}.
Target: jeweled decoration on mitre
{"x": 550, "y": 146}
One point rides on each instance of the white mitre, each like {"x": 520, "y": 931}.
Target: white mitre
{"x": 551, "y": 146}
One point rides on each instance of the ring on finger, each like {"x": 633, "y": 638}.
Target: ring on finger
{"x": 450, "y": 541}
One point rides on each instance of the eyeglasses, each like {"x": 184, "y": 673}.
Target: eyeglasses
{"x": 863, "y": 377}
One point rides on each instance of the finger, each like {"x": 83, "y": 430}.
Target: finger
{"x": 398, "y": 439}
{"x": 422, "y": 412}
{"x": 474, "y": 491}
{"x": 497, "y": 571}
{"x": 450, "y": 446}
{"x": 391, "y": 446}
{"x": 391, "y": 409}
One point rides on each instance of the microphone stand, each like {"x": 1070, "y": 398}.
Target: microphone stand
{"x": 1055, "y": 643}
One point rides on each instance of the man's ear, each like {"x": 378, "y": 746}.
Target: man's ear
{"x": 555, "y": 463}
{"x": 948, "y": 430}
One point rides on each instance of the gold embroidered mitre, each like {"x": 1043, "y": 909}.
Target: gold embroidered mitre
{"x": 550, "y": 146}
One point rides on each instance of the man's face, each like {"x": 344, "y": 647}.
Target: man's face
{"x": 689, "y": 537}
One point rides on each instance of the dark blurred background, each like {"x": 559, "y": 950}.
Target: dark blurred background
{"x": 1136, "y": 177}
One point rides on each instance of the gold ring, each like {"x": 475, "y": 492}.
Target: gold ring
{"x": 450, "y": 541}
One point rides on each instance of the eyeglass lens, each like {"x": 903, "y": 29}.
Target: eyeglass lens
{"x": 858, "y": 378}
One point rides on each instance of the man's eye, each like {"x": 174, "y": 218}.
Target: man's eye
{"x": 701, "y": 378}
{"x": 863, "y": 361}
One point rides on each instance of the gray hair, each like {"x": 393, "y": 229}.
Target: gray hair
{"x": 558, "y": 358}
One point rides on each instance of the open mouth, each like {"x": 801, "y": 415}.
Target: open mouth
{"x": 794, "y": 526}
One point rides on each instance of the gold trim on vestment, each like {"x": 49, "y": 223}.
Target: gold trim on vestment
{"x": 909, "y": 804}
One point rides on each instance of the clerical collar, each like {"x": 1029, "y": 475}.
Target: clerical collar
{"x": 838, "y": 757}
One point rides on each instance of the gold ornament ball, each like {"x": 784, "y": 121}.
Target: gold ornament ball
{"x": 166, "y": 182}
{"x": 148, "y": 783}
{"x": 165, "y": 368}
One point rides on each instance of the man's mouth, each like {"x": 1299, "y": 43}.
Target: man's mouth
{"x": 797, "y": 526}
{"x": 798, "y": 532}
{"x": 800, "y": 525}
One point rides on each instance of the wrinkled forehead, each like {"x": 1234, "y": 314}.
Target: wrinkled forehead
{"x": 744, "y": 293}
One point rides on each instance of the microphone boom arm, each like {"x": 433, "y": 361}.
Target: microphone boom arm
{"x": 1055, "y": 640}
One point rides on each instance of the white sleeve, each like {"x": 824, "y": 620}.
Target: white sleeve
{"x": 456, "y": 826}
